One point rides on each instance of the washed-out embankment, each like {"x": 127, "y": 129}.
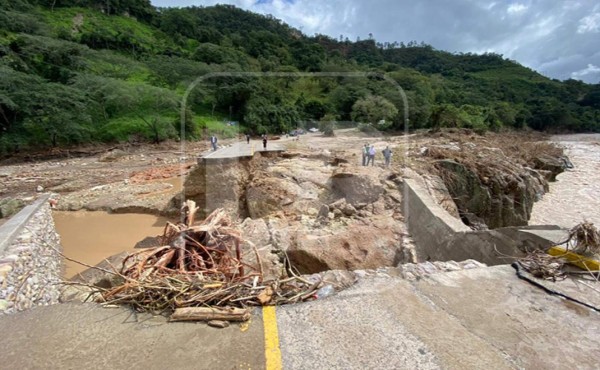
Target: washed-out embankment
{"x": 321, "y": 212}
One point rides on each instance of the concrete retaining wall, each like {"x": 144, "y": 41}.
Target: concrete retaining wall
{"x": 440, "y": 237}
{"x": 30, "y": 266}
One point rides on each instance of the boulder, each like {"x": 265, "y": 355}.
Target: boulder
{"x": 323, "y": 212}
{"x": 149, "y": 242}
{"x": 290, "y": 186}
{"x": 357, "y": 184}
{"x": 343, "y": 208}
{"x": 10, "y": 206}
{"x": 555, "y": 165}
{"x": 354, "y": 247}
{"x": 265, "y": 196}
{"x": 257, "y": 235}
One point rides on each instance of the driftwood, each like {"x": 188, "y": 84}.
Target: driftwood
{"x": 210, "y": 313}
{"x": 584, "y": 238}
{"x": 543, "y": 266}
{"x": 201, "y": 265}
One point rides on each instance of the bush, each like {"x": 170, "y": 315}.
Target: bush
{"x": 327, "y": 125}
{"x": 327, "y": 128}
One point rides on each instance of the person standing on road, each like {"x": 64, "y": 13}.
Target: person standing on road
{"x": 248, "y": 138}
{"x": 365, "y": 154}
{"x": 387, "y": 155}
{"x": 264, "y": 142}
{"x": 213, "y": 142}
{"x": 371, "y": 155}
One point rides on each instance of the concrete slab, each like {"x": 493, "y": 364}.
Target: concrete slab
{"x": 556, "y": 236}
{"x": 379, "y": 324}
{"x": 485, "y": 318}
{"x": 86, "y": 336}
{"x": 533, "y": 329}
{"x": 471, "y": 319}
{"x": 242, "y": 149}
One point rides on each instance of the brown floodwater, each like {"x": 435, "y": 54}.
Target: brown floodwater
{"x": 90, "y": 237}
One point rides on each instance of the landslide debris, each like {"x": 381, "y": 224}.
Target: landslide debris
{"x": 494, "y": 179}
{"x": 323, "y": 214}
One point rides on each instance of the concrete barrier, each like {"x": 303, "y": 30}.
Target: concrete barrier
{"x": 440, "y": 237}
{"x": 11, "y": 229}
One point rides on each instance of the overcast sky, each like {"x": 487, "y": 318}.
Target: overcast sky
{"x": 560, "y": 39}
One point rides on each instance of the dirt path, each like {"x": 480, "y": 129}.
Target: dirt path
{"x": 575, "y": 195}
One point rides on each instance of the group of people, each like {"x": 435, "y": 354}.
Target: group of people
{"x": 368, "y": 155}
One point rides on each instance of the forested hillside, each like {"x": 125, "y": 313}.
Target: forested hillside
{"x": 81, "y": 71}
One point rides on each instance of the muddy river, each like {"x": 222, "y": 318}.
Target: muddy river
{"x": 90, "y": 237}
{"x": 575, "y": 196}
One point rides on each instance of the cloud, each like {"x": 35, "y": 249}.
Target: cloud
{"x": 516, "y": 8}
{"x": 591, "y": 23}
{"x": 554, "y": 37}
{"x": 590, "y": 69}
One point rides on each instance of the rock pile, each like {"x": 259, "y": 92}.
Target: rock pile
{"x": 30, "y": 269}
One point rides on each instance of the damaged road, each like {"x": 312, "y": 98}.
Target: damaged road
{"x": 468, "y": 319}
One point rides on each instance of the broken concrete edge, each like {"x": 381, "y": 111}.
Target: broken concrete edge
{"x": 209, "y": 159}
{"x": 11, "y": 229}
{"x": 339, "y": 280}
{"x": 440, "y": 237}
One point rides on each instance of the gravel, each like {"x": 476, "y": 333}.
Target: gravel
{"x": 30, "y": 269}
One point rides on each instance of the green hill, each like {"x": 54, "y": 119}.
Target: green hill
{"x": 80, "y": 71}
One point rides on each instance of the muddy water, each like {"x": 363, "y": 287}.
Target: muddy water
{"x": 90, "y": 237}
{"x": 575, "y": 196}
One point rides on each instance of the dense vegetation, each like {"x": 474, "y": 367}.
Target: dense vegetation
{"x": 79, "y": 71}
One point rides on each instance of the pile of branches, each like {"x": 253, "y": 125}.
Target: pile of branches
{"x": 543, "y": 266}
{"x": 201, "y": 265}
{"x": 584, "y": 239}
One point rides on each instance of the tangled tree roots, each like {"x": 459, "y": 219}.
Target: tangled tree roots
{"x": 584, "y": 239}
{"x": 201, "y": 265}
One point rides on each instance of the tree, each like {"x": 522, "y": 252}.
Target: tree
{"x": 153, "y": 105}
{"x": 50, "y": 113}
{"x": 171, "y": 71}
{"x": 269, "y": 117}
{"x": 373, "y": 109}
{"x": 327, "y": 125}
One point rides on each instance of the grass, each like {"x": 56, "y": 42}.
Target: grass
{"x": 112, "y": 64}
{"x": 211, "y": 125}
{"x": 126, "y": 128}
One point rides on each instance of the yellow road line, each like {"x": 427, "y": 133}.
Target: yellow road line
{"x": 272, "y": 350}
